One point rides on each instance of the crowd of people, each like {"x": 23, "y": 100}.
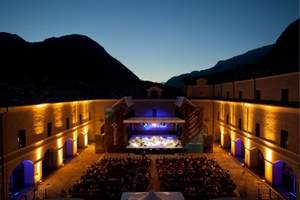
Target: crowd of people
{"x": 109, "y": 177}
{"x": 196, "y": 178}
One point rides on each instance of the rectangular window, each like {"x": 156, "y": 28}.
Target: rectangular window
{"x": 80, "y": 118}
{"x": 240, "y": 123}
{"x": 240, "y": 95}
{"x": 284, "y": 139}
{"x": 22, "y": 138}
{"x": 67, "y": 123}
{"x": 257, "y": 95}
{"x": 49, "y": 129}
{"x": 227, "y": 119}
{"x": 227, "y": 95}
{"x": 257, "y": 130}
{"x": 285, "y": 95}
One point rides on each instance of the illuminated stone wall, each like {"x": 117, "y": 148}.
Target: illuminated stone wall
{"x": 270, "y": 88}
{"x": 272, "y": 120}
{"x": 34, "y": 119}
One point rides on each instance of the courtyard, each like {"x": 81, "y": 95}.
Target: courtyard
{"x": 60, "y": 181}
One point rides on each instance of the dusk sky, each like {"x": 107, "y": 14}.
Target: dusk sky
{"x": 156, "y": 39}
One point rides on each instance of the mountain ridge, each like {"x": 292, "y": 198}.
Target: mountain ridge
{"x": 285, "y": 51}
{"x": 249, "y": 57}
{"x": 65, "y": 68}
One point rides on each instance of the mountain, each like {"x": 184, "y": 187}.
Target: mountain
{"x": 176, "y": 81}
{"x": 64, "y": 68}
{"x": 281, "y": 57}
{"x": 247, "y": 58}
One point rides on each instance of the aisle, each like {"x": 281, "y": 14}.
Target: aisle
{"x": 154, "y": 183}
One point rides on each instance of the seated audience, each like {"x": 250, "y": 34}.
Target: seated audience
{"x": 196, "y": 178}
{"x": 109, "y": 177}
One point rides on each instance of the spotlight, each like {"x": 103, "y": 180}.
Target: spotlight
{"x": 154, "y": 125}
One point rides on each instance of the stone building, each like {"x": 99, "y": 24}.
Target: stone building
{"x": 257, "y": 121}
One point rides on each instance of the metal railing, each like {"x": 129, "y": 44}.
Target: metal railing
{"x": 265, "y": 192}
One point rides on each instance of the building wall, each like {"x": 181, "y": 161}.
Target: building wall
{"x": 199, "y": 91}
{"x": 272, "y": 120}
{"x": 228, "y": 88}
{"x": 218, "y": 90}
{"x": 246, "y": 87}
{"x": 99, "y": 109}
{"x": 270, "y": 88}
{"x": 207, "y": 109}
{"x": 164, "y": 107}
{"x": 1, "y": 182}
{"x": 34, "y": 119}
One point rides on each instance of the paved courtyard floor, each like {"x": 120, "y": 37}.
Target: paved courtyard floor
{"x": 66, "y": 176}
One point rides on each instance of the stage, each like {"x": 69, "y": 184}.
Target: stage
{"x": 152, "y": 143}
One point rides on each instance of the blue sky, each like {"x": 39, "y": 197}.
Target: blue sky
{"x": 156, "y": 39}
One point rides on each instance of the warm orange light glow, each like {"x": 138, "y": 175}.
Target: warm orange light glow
{"x": 85, "y": 139}
{"x": 39, "y": 153}
{"x": 269, "y": 155}
{"x": 74, "y": 111}
{"x": 232, "y": 113}
{"x": 58, "y": 114}
{"x": 43, "y": 105}
{"x": 60, "y": 156}
{"x": 59, "y": 143}
{"x": 39, "y": 112}
{"x": 74, "y": 147}
{"x": 37, "y": 171}
{"x": 247, "y": 104}
{"x": 270, "y": 127}
{"x": 269, "y": 172}
{"x": 75, "y": 135}
{"x": 85, "y": 110}
{"x": 248, "y": 143}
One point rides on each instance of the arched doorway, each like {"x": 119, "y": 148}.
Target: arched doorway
{"x": 288, "y": 180}
{"x": 154, "y": 92}
{"x": 82, "y": 140}
{"x": 68, "y": 149}
{"x": 217, "y": 137}
{"x": 260, "y": 167}
{"x": 284, "y": 179}
{"x": 239, "y": 150}
{"x": 22, "y": 178}
{"x": 102, "y": 129}
{"x": 48, "y": 165}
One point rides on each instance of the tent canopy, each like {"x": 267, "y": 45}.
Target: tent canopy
{"x": 152, "y": 196}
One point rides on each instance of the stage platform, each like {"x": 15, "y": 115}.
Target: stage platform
{"x": 139, "y": 120}
{"x": 146, "y": 143}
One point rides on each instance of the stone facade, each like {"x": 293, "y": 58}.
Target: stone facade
{"x": 260, "y": 134}
{"x": 59, "y": 128}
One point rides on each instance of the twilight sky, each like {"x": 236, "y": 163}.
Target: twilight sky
{"x": 156, "y": 39}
